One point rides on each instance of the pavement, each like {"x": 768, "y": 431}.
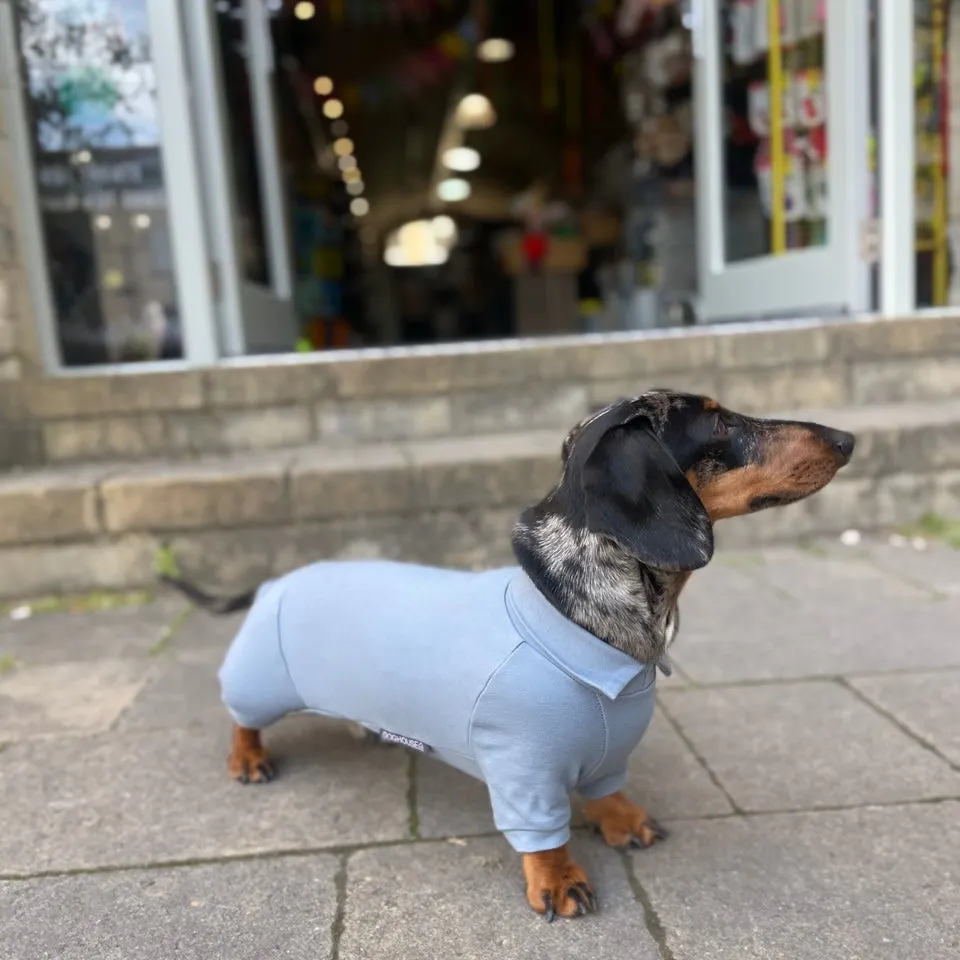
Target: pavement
{"x": 806, "y": 756}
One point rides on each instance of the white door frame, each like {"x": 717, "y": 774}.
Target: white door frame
{"x": 832, "y": 277}
{"x": 184, "y": 208}
{"x": 896, "y": 151}
{"x": 252, "y": 316}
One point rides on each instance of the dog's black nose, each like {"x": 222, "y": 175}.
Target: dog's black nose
{"x": 842, "y": 444}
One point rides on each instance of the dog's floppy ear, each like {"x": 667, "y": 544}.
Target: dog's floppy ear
{"x": 636, "y": 495}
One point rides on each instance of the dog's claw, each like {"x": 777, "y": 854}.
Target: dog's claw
{"x": 548, "y": 904}
{"x": 591, "y": 897}
{"x": 659, "y": 831}
{"x": 267, "y": 772}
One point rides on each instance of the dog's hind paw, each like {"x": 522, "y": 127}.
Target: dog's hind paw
{"x": 248, "y": 761}
{"x": 623, "y": 823}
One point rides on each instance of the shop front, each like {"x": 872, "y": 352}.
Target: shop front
{"x": 196, "y": 182}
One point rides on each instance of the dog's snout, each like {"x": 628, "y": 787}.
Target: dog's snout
{"x": 842, "y": 444}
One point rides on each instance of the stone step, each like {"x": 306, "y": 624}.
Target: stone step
{"x": 233, "y": 520}
{"x": 346, "y": 398}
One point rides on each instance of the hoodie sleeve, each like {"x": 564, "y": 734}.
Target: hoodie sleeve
{"x": 535, "y": 734}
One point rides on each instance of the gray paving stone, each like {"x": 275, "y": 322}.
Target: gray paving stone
{"x": 937, "y": 567}
{"x": 866, "y": 884}
{"x": 753, "y": 621}
{"x": 836, "y": 580}
{"x": 165, "y": 796}
{"x": 926, "y": 703}
{"x": 667, "y": 779}
{"x": 450, "y": 803}
{"x": 440, "y": 900}
{"x": 181, "y": 692}
{"x": 68, "y": 698}
{"x": 806, "y": 745}
{"x": 203, "y": 632}
{"x": 60, "y": 637}
{"x": 280, "y": 907}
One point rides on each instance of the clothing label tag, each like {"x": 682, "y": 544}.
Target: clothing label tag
{"x": 387, "y": 737}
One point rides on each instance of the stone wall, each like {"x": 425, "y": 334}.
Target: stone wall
{"x": 336, "y": 401}
{"x": 233, "y": 521}
{"x": 19, "y": 438}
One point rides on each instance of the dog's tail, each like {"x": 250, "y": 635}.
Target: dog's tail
{"x": 218, "y": 605}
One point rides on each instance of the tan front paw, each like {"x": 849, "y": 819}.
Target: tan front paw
{"x": 556, "y": 886}
{"x": 623, "y": 823}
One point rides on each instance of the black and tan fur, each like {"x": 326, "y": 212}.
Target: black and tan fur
{"x": 612, "y": 545}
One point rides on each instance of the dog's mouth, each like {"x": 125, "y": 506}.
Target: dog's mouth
{"x": 776, "y": 500}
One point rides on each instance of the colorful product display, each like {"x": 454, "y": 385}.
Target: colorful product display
{"x": 802, "y": 172}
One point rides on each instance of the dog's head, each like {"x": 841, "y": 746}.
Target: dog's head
{"x": 654, "y": 473}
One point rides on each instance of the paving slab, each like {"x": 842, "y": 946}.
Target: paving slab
{"x": 182, "y": 691}
{"x": 867, "y": 884}
{"x": 806, "y": 745}
{"x": 440, "y": 900}
{"x": 742, "y": 622}
{"x": 62, "y": 637}
{"x": 203, "y": 632}
{"x": 926, "y": 703}
{"x": 163, "y": 796}
{"x": 937, "y": 567}
{"x": 667, "y": 778}
{"x": 68, "y": 699}
{"x": 246, "y": 910}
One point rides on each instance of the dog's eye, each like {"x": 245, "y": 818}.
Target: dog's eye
{"x": 720, "y": 429}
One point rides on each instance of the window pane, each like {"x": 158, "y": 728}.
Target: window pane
{"x": 749, "y": 167}
{"x": 92, "y": 103}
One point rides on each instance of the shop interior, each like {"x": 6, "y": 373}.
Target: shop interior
{"x": 459, "y": 170}
{"x": 404, "y": 172}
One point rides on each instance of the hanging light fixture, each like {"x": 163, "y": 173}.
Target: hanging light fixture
{"x": 453, "y": 189}
{"x": 461, "y": 159}
{"x": 304, "y": 10}
{"x": 444, "y": 229}
{"x": 323, "y": 86}
{"x": 332, "y": 109}
{"x": 415, "y": 245}
{"x": 475, "y": 112}
{"x": 359, "y": 207}
{"x": 343, "y": 146}
{"x": 495, "y": 50}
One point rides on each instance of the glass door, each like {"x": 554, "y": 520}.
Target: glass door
{"x": 231, "y": 57}
{"x": 782, "y": 156}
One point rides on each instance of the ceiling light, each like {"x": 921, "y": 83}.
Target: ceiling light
{"x": 359, "y": 207}
{"x": 355, "y": 188}
{"x": 415, "y": 245}
{"x": 323, "y": 86}
{"x": 304, "y": 10}
{"x": 461, "y": 159}
{"x": 453, "y": 190}
{"x": 343, "y": 146}
{"x": 475, "y": 112}
{"x": 103, "y": 222}
{"x": 347, "y": 163}
{"x": 332, "y": 109}
{"x": 444, "y": 229}
{"x": 495, "y": 50}
{"x": 352, "y": 175}
{"x": 141, "y": 221}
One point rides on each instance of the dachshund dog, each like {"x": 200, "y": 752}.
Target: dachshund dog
{"x": 538, "y": 679}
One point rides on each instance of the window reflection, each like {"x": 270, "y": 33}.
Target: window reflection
{"x": 91, "y": 91}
